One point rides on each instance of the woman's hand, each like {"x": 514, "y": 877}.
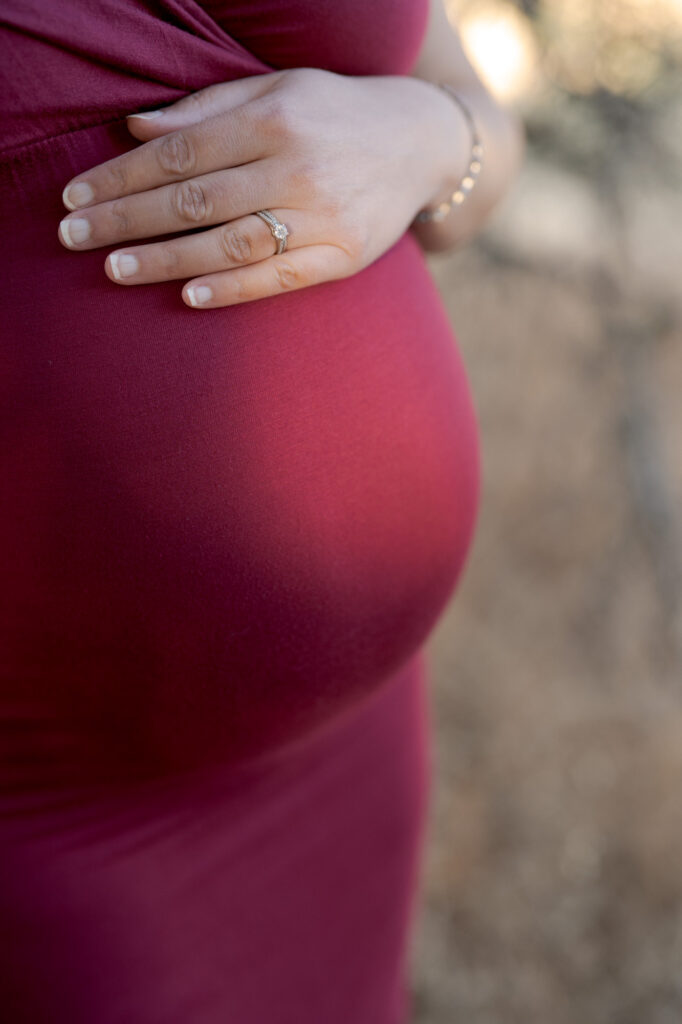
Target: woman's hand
{"x": 344, "y": 162}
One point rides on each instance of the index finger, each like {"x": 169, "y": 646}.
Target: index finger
{"x": 227, "y": 139}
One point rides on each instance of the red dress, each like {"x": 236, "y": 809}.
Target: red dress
{"x": 226, "y": 535}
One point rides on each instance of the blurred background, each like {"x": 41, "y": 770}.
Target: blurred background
{"x": 553, "y": 884}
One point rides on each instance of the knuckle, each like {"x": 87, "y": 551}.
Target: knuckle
{"x": 239, "y": 291}
{"x": 278, "y": 118}
{"x": 121, "y": 216}
{"x": 329, "y": 200}
{"x": 356, "y": 241}
{"x": 305, "y": 179}
{"x": 197, "y": 101}
{"x": 119, "y": 176}
{"x": 271, "y": 114}
{"x": 308, "y": 78}
{"x": 170, "y": 260}
{"x": 335, "y": 221}
{"x": 235, "y": 246}
{"x": 191, "y": 202}
{"x": 176, "y": 154}
{"x": 288, "y": 276}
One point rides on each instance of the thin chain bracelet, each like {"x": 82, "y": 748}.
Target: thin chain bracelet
{"x": 473, "y": 170}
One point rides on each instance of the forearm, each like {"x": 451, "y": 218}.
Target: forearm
{"x": 447, "y": 146}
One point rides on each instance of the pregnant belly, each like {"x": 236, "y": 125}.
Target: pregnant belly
{"x": 226, "y": 526}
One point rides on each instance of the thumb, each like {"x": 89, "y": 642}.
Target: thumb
{"x": 197, "y": 106}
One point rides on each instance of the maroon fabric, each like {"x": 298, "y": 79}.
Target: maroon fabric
{"x": 226, "y": 535}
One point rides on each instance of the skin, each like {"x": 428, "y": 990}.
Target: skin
{"x": 344, "y": 162}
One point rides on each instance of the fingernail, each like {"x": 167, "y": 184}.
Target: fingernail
{"x": 199, "y": 294}
{"x": 74, "y": 230}
{"x": 123, "y": 264}
{"x": 77, "y": 195}
{"x": 148, "y": 115}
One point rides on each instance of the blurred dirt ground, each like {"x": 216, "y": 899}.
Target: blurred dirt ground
{"x": 552, "y": 891}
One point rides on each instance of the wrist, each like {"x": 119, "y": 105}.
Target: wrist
{"x": 446, "y": 144}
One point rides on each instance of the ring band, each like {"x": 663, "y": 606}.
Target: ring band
{"x": 279, "y": 230}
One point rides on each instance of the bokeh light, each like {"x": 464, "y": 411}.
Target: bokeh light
{"x": 579, "y": 46}
{"x": 500, "y": 43}
{"x": 555, "y": 894}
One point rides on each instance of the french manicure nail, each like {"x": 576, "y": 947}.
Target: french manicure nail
{"x": 199, "y": 294}
{"x": 77, "y": 195}
{"x": 148, "y": 115}
{"x": 74, "y": 230}
{"x": 123, "y": 264}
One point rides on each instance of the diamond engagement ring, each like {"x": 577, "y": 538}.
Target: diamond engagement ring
{"x": 279, "y": 230}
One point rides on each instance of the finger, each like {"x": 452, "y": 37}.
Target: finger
{"x": 200, "y": 202}
{"x": 237, "y": 243}
{"x": 200, "y": 105}
{"x": 227, "y": 139}
{"x": 288, "y": 272}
